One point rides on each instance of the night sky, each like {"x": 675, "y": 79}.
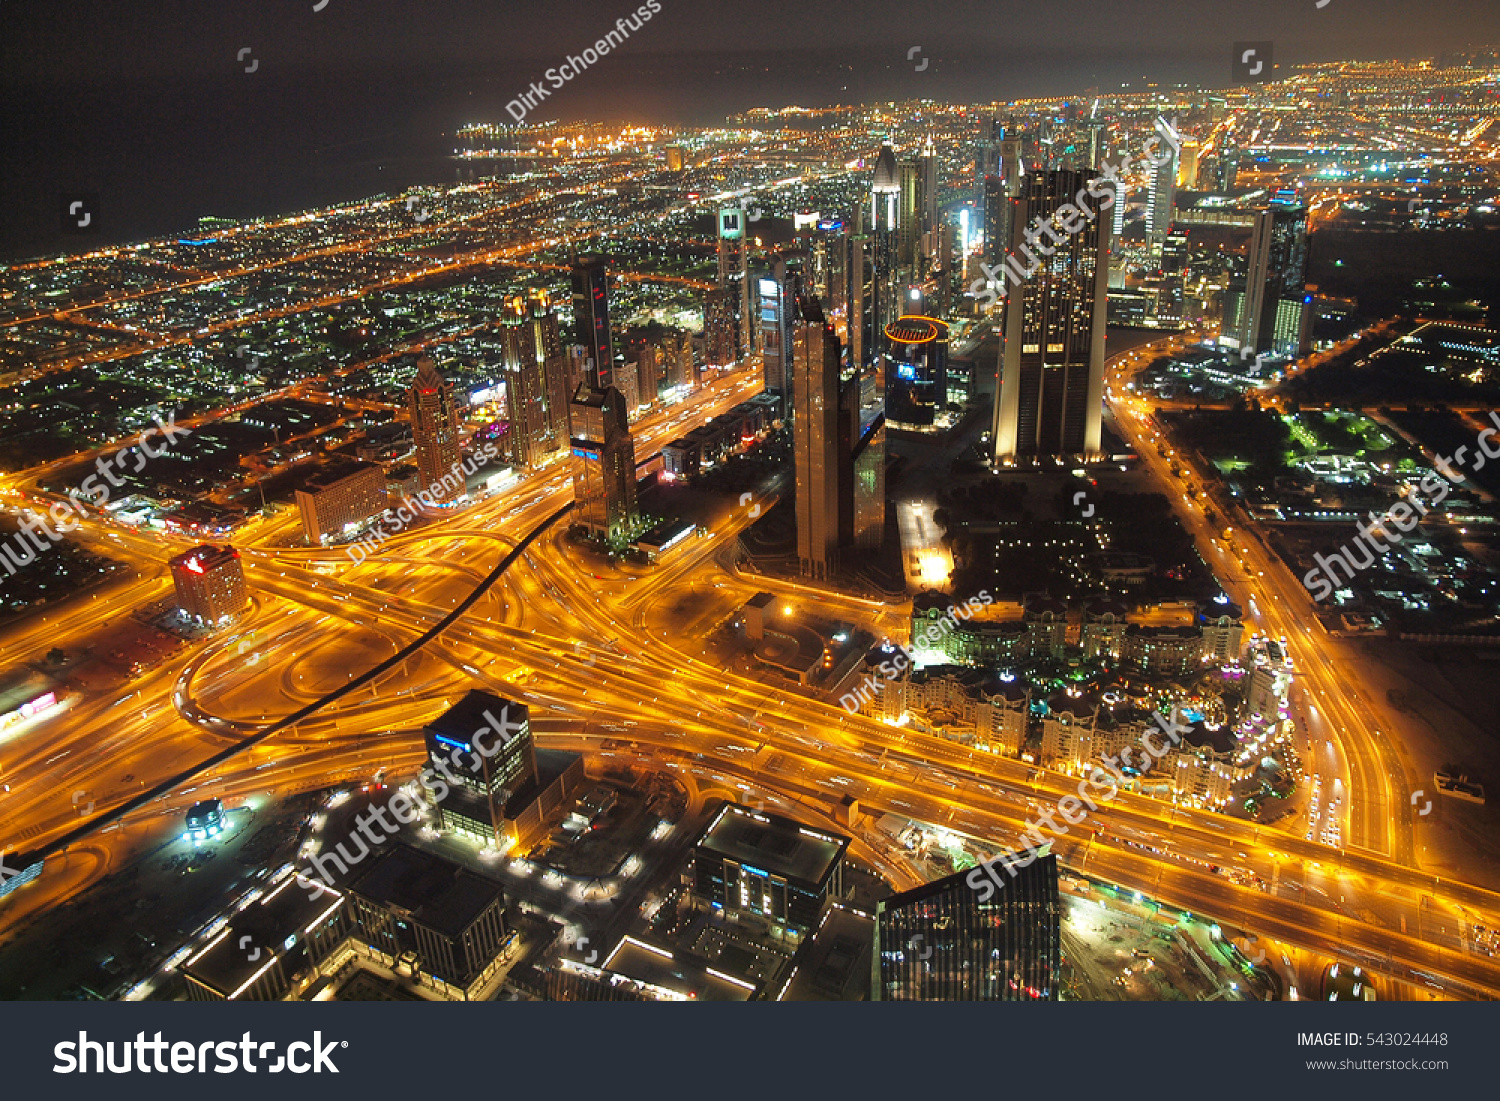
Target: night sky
{"x": 148, "y": 104}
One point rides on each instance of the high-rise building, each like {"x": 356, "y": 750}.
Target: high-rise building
{"x": 210, "y": 583}
{"x": 648, "y": 372}
{"x": 434, "y": 429}
{"x": 734, "y": 276}
{"x": 916, "y": 384}
{"x": 339, "y": 501}
{"x": 777, "y": 296}
{"x": 604, "y": 465}
{"x": 978, "y": 936}
{"x": 676, "y": 159}
{"x": 449, "y": 922}
{"x": 718, "y": 335}
{"x": 751, "y": 863}
{"x": 535, "y": 368}
{"x": 627, "y": 381}
{"x": 1169, "y": 294}
{"x": 815, "y": 438}
{"x": 1161, "y": 190}
{"x": 483, "y": 747}
{"x": 591, "y": 326}
{"x": 884, "y": 256}
{"x": 1266, "y": 310}
{"x": 1052, "y": 353}
{"x": 1187, "y": 168}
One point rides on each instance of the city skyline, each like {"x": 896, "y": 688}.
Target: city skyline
{"x": 676, "y": 561}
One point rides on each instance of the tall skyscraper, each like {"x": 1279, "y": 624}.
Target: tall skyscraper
{"x": 1161, "y": 190}
{"x": 815, "y": 438}
{"x": 434, "y": 428}
{"x": 604, "y": 502}
{"x": 1052, "y": 353}
{"x": 964, "y": 939}
{"x": 884, "y": 255}
{"x": 734, "y": 276}
{"x": 719, "y": 329}
{"x": 1169, "y": 295}
{"x": 1266, "y": 310}
{"x": 777, "y": 296}
{"x": 917, "y": 370}
{"x": 535, "y": 368}
{"x": 591, "y": 320}
{"x": 648, "y": 372}
{"x": 482, "y": 781}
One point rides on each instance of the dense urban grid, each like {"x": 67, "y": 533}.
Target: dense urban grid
{"x": 1012, "y": 551}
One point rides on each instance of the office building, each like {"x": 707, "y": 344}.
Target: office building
{"x": 1161, "y": 187}
{"x": 591, "y": 325}
{"x": 734, "y": 277}
{"x": 535, "y": 369}
{"x": 210, "y": 584}
{"x": 882, "y": 298}
{"x": 990, "y": 934}
{"x": 420, "y": 913}
{"x": 648, "y": 373}
{"x": 719, "y": 339}
{"x": 287, "y": 931}
{"x": 1266, "y": 310}
{"x": 748, "y": 863}
{"x": 338, "y": 502}
{"x": 1052, "y": 353}
{"x": 604, "y": 501}
{"x": 676, "y": 158}
{"x": 815, "y": 439}
{"x": 1170, "y": 298}
{"x": 916, "y": 382}
{"x": 627, "y": 381}
{"x": 434, "y": 429}
{"x": 777, "y": 297}
{"x": 483, "y": 748}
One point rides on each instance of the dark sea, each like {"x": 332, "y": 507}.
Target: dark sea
{"x": 161, "y": 155}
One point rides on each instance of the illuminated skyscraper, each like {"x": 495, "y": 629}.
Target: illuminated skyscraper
{"x": 536, "y": 379}
{"x": 1169, "y": 295}
{"x": 1266, "y": 310}
{"x": 815, "y": 439}
{"x": 718, "y": 333}
{"x": 604, "y": 465}
{"x": 777, "y": 297}
{"x": 917, "y": 370}
{"x": 734, "y": 276}
{"x": 965, "y": 939}
{"x": 884, "y": 249}
{"x": 591, "y": 320}
{"x": 434, "y": 428}
{"x": 1052, "y": 354}
{"x": 1161, "y": 188}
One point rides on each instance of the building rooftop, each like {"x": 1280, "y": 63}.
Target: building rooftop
{"x": 438, "y": 893}
{"x": 461, "y": 720}
{"x": 769, "y": 842}
{"x": 260, "y": 934}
